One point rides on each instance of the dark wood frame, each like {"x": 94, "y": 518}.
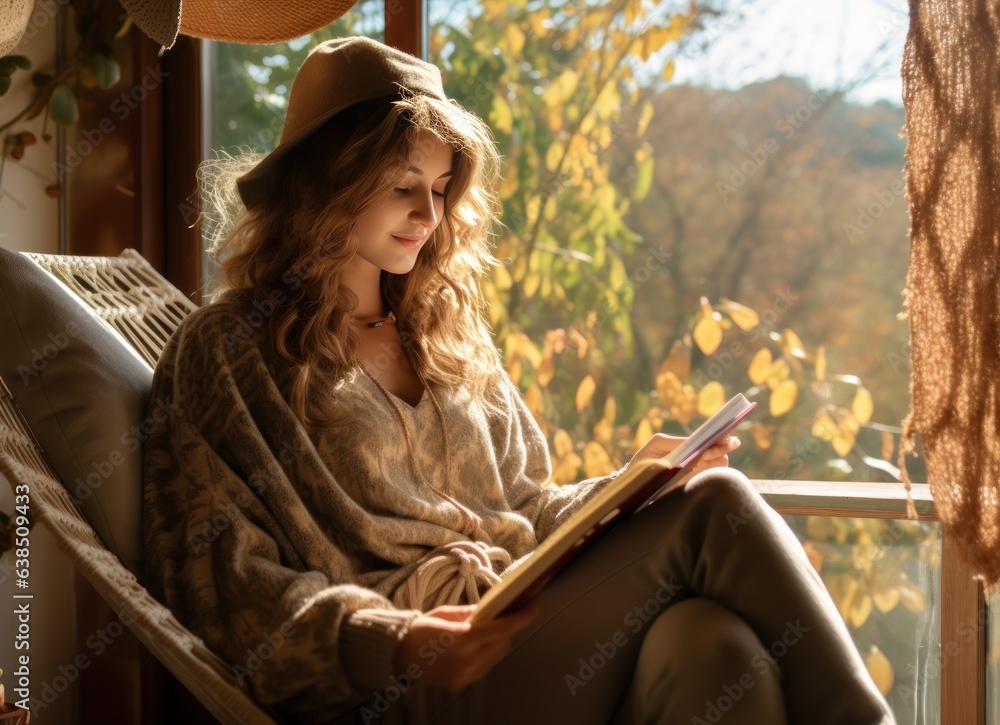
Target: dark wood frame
{"x": 169, "y": 141}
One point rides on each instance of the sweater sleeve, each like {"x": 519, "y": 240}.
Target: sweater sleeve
{"x": 526, "y": 466}
{"x": 231, "y": 549}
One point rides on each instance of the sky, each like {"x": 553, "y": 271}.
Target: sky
{"x": 828, "y": 43}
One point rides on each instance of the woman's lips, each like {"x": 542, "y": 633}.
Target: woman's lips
{"x": 407, "y": 242}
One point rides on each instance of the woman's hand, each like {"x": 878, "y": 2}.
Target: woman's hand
{"x": 451, "y": 652}
{"x": 661, "y": 444}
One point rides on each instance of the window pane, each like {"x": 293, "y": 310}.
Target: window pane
{"x": 885, "y": 578}
{"x": 698, "y": 203}
{"x": 251, "y": 83}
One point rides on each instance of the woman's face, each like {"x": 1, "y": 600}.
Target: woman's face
{"x": 391, "y": 235}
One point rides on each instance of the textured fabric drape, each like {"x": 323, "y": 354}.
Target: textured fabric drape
{"x": 951, "y": 95}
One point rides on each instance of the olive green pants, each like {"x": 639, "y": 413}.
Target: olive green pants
{"x": 700, "y": 609}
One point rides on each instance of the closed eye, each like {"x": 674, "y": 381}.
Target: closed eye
{"x": 406, "y": 191}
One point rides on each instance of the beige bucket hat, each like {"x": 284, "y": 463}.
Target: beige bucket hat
{"x": 14, "y": 17}
{"x": 336, "y": 74}
{"x": 248, "y": 21}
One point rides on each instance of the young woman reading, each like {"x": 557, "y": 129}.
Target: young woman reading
{"x": 348, "y": 467}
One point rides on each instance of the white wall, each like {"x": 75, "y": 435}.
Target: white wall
{"x": 29, "y": 222}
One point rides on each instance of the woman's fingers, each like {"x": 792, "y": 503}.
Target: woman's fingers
{"x": 722, "y": 448}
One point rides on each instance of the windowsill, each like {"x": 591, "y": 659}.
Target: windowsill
{"x": 827, "y": 498}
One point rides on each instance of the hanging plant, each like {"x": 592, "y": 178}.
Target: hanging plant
{"x": 91, "y": 65}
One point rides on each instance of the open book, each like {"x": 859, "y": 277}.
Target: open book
{"x": 637, "y": 487}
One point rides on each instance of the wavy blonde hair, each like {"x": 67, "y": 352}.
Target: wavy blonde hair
{"x": 301, "y": 237}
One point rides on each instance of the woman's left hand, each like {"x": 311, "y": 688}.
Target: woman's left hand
{"x": 661, "y": 444}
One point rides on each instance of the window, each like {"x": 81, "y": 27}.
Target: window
{"x": 697, "y": 204}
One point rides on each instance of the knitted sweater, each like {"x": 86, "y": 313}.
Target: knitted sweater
{"x": 297, "y": 553}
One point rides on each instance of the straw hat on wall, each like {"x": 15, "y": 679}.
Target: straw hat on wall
{"x": 246, "y": 21}
{"x": 14, "y": 17}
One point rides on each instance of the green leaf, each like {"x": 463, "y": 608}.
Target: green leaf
{"x": 106, "y": 71}
{"x": 62, "y": 106}
{"x": 10, "y": 63}
{"x": 644, "y": 179}
{"x": 4, "y": 84}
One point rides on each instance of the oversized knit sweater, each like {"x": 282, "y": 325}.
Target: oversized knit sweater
{"x": 296, "y": 552}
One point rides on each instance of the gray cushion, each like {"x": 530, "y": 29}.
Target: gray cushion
{"x": 83, "y": 391}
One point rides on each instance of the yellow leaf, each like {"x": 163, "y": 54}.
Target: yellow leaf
{"x": 603, "y": 431}
{"x": 515, "y": 39}
{"x": 533, "y": 399}
{"x": 503, "y": 118}
{"x": 610, "y": 409}
{"x": 763, "y": 435}
{"x": 760, "y": 366}
{"x": 643, "y": 432}
{"x": 862, "y": 406}
{"x": 645, "y": 118}
{"x": 861, "y": 607}
{"x": 668, "y": 387}
{"x": 744, "y": 317}
{"x": 585, "y": 392}
{"x": 912, "y": 598}
{"x": 821, "y": 364}
{"x": 823, "y": 426}
{"x": 843, "y": 442}
{"x": 595, "y": 460}
{"x": 501, "y": 278}
{"x": 537, "y": 20}
{"x": 514, "y": 368}
{"x": 880, "y": 669}
{"x": 668, "y": 71}
{"x": 579, "y": 342}
{"x": 708, "y": 333}
{"x": 546, "y": 370}
{"x": 783, "y": 398}
{"x": 711, "y": 398}
{"x": 791, "y": 342}
{"x": 553, "y": 155}
{"x": 778, "y": 373}
{"x": 886, "y": 598}
{"x": 678, "y": 361}
{"x": 531, "y": 283}
{"x": 562, "y": 443}
{"x": 842, "y": 588}
{"x": 565, "y": 470}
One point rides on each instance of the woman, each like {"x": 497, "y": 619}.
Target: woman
{"x": 349, "y": 467}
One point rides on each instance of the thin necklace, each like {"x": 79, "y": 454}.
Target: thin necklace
{"x": 378, "y": 323}
{"x": 472, "y": 528}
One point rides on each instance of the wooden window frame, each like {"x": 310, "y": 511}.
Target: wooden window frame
{"x": 174, "y": 247}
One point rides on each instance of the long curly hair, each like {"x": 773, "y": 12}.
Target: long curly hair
{"x": 295, "y": 244}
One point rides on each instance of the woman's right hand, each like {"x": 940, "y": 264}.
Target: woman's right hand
{"x": 453, "y": 653}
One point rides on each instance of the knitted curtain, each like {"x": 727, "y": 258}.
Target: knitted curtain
{"x": 951, "y": 95}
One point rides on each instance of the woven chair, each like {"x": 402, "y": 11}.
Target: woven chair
{"x": 130, "y": 295}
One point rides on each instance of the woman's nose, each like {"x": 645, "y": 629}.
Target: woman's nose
{"x": 423, "y": 209}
